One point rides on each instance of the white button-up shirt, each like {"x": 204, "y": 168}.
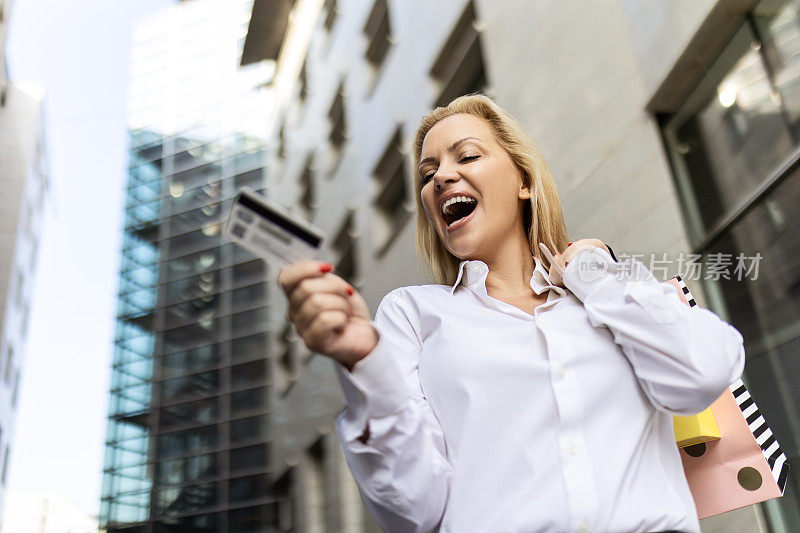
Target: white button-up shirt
{"x": 472, "y": 415}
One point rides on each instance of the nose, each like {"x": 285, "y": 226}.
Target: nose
{"x": 445, "y": 174}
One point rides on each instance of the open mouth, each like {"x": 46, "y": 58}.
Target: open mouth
{"x": 457, "y": 208}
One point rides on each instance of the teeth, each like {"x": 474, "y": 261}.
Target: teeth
{"x": 446, "y": 206}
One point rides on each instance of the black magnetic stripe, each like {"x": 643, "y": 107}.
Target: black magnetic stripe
{"x": 759, "y": 430}
{"x": 767, "y": 443}
{"x": 745, "y": 404}
{"x": 741, "y": 390}
{"x": 752, "y": 418}
{"x": 783, "y": 475}
{"x": 774, "y": 457}
{"x": 282, "y": 221}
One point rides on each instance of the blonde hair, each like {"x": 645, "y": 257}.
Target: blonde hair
{"x": 544, "y": 218}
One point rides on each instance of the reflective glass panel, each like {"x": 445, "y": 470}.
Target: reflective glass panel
{"x": 250, "y": 373}
{"x": 248, "y": 400}
{"x": 250, "y": 429}
{"x": 248, "y": 458}
{"x": 738, "y": 135}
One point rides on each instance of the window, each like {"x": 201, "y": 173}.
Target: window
{"x": 248, "y": 458}
{"x": 284, "y": 487}
{"x": 245, "y": 430}
{"x": 198, "y": 412}
{"x": 253, "y": 519}
{"x": 316, "y": 511}
{"x": 308, "y": 198}
{"x": 26, "y": 311}
{"x": 9, "y": 365}
{"x": 5, "y": 466}
{"x": 249, "y": 374}
{"x": 282, "y": 140}
{"x": 345, "y": 248}
{"x": 391, "y": 202}
{"x": 304, "y": 81}
{"x": 249, "y": 297}
{"x": 379, "y": 34}
{"x": 251, "y": 347}
{"x": 287, "y": 363}
{"x": 734, "y": 147}
{"x": 15, "y": 393}
{"x": 336, "y": 115}
{"x": 249, "y": 488}
{"x": 249, "y": 400}
{"x": 459, "y": 69}
{"x": 19, "y": 298}
{"x": 252, "y": 178}
{"x": 331, "y": 10}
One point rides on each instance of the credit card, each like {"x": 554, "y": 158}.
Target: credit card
{"x": 270, "y": 231}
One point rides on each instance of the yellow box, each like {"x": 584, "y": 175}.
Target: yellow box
{"x": 695, "y": 429}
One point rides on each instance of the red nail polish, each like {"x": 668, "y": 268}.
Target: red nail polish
{"x": 325, "y": 268}
{"x": 569, "y": 244}
{"x": 350, "y": 291}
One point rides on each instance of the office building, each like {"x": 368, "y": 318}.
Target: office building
{"x": 670, "y": 127}
{"x": 23, "y": 185}
{"x": 187, "y": 431}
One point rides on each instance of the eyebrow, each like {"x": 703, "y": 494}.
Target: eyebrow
{"x": 453, "y": 147}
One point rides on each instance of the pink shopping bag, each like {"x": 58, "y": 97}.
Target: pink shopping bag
{"x": 746, "y": 465}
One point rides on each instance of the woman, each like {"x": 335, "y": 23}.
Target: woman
{"x": 506, "y": 398}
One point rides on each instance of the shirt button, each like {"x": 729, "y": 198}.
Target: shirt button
{"x": 476, "y": 268}
{"x": 584, "y": 527}
{"x": 573, "y": 448}
{"x": 561, "y": 372}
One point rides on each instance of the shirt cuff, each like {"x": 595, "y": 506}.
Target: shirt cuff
{"x": 374, "y": 388}
{"x": 587, "y": 270}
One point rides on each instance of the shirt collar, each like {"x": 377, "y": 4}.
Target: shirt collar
{"x": 472, "y": 273}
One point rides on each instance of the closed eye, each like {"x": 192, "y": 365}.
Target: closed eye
{"x": 425, "y": 178}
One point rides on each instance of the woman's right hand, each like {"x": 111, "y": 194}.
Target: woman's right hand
{"x": 327, "y": 313}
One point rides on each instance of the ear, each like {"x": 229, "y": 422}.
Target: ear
{"x": 524, "y": 191}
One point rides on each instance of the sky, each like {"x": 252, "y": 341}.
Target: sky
{"x": 79, "y": 50}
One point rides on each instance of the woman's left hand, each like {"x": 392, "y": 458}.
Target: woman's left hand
{"x": 562, "y": 260}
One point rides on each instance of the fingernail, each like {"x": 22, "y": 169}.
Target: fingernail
{"x": 325, "y": 268}
{"x": 569, "y": 244}
{"x": 350, "y": 291}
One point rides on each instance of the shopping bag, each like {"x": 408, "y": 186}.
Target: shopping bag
{"x": 745, "y": 465}
{"x": 702, "y": 427}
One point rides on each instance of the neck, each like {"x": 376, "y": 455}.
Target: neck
{"x": 511, "y": 268}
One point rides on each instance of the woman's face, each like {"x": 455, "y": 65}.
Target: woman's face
{"x": 472, "y": 192}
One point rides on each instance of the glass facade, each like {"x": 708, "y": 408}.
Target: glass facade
{"x": 187, "y": 429}
{"x": 735, "y": 151}
{"x": 187, "y": 441}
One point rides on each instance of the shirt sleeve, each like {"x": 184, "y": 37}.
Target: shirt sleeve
{"x": 392, "y": 441}
{"x": 684, "y": 357}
